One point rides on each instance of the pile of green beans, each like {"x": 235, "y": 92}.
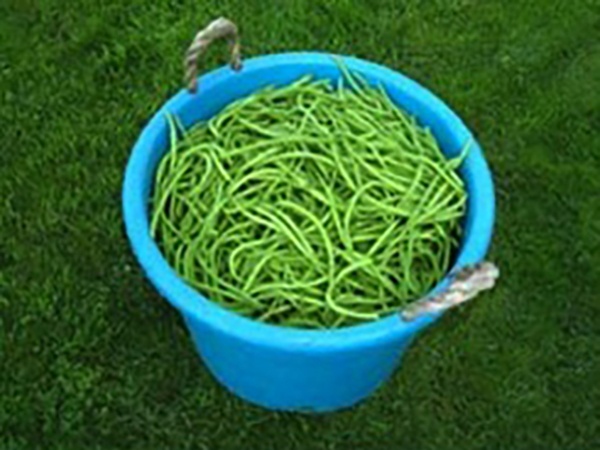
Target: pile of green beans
{"x": 310, "y": 205}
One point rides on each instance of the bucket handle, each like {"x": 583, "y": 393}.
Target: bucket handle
{"x": 466, "y": 283}
{"x": 220, "y": 28}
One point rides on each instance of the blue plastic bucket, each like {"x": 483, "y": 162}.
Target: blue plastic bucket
{"x": 284, "y": 368}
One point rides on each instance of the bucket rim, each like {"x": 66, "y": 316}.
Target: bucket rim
{"x": 196, "y": 307}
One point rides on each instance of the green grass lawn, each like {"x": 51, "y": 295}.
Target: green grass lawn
{"x": 91, "y": 357}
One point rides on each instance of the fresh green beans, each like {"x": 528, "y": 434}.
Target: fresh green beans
{"x": 314, "y": 205}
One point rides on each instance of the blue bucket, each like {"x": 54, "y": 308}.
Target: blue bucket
{"x": 285, "y": 368}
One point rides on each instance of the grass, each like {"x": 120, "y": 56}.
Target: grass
{"x": 93, "y": 358}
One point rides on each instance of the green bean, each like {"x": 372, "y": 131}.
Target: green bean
{"x": 162, "y": 203}
{"x": 277, "y": 225}
{"x": 340, "y": 309}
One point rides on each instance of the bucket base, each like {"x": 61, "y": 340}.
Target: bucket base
{"x": 306, "y": 382}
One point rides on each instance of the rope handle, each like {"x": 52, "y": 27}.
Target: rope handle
{"x": 466, "y": 284}
{"x": 220, "y": 28}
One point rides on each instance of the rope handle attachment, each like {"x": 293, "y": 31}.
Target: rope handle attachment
{"x": 220, "y": 28}
{"x": 466, "y": 284}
